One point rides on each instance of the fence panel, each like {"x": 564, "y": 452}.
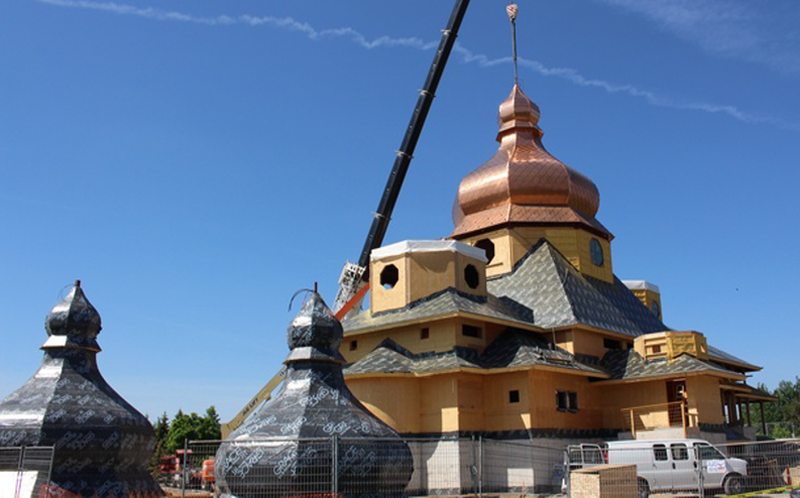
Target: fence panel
{"x": 441, "y": 467}
{"x": 771, "y": 465}
{"x": 25, "y": 471}
{"x": 520, "y": 467}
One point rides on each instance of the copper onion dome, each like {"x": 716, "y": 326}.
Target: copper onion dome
{"x": 522, "y": 183}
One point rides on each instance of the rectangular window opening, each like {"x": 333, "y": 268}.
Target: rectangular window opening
{"x": 353, "y": 345}
{"x": 513, "y": 396}
{"x": 561, "y": 401}
{"x": 660, "y": 452}
{"x": 611, "y": 344}
{"x": 572, "y": 399}
{"x": 424, "y": 333}
{"x": 471, "y": 331}
{"x": 567, "y": 401}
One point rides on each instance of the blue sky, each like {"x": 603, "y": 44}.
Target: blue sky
{"x": 196, "y": 162}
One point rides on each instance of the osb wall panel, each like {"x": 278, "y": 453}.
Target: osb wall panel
{"x": 441, "y": 337}
{"x": 616, "y": 397}
{"x": 470, "y": 402}
{"x": 704, "y": 400}
{"x": 439, "y": 404}
{"x": 500, "y": 414}
{"x": 396, "y": 297}
{"x": 396, "y": 401}
{"x": 461, "y": 283}
{"x": 502, "y": 261}
{"x": 544, "y": 410}
{"x": 430, "y": 272}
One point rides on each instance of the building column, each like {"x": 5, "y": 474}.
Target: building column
{"x": 763, "y": 420}
{"x": 749, "y": 420}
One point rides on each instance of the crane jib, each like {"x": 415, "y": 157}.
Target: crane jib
{"x": 382, "y": 217}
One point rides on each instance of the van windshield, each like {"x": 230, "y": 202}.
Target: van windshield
{"x": 707, "y": 452}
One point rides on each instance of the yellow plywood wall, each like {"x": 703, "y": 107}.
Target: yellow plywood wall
{"x": 565, "y": 340}
{"x": 439, "y": 403}
{"x": 512, "y": 244}
{"x": 590, "y": 343}
{"x": 488, "y": 332}
{"x": 470, "y": 402}
{"x": 422, "y": 274}
{"x": 503, "y": 260}
{"x": 670, "y": 345}
{"x": 647, "y": 297}
{"x": 616, "y": 397}
{"x": 462, "y": 262}
{"x": 430, "y": 272}
{"x": 544, "y": 410}
{"x": 704, "y": 400}
{"x": 603, "y": 272}
{"x": 499, "y": 413}
{"x": 381, "y": 298}
{"x": 441, "y": 337}
{"x": 396, "y": 401}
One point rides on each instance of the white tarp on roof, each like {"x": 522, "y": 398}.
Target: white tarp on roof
{"x": 641, "y": 285}
{"x": 409, "y": 246}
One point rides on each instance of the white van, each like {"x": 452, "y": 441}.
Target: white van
{"x": 670, "y": 465}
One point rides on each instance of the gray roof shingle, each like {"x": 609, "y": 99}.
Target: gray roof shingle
{"x": 512, "y": 348}
{"x": 628, "y": 364}
{"x": 559, "y": 295}
{"x": 444, "y": 302}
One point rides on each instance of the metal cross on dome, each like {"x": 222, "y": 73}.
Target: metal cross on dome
{"x": 511, "y": 10}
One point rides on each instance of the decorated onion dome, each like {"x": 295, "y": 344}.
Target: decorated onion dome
{"x": 102, "y": 445}
{"x": 522, "y": 183}
{"x": 314, "y": 424}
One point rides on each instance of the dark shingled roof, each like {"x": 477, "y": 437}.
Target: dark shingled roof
{"x": 440, "y": 303}
{"x": 718, "y": 354}
{"x": 512, "y": 348}
{"x": 628, "y": 364}
{"x": 543, "y": 290}
{"x": 559, "y": 295}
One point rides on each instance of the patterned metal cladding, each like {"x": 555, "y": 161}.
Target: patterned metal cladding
{"x": 277, "y": 452}
{"x": 102, "y": 444}
{"x": 522, "y": 174}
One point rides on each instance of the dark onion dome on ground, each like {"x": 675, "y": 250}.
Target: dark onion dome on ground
{"x": 102, "y": 444}
{"x": 287, "y": 447}
{"x": 522, "y": 183}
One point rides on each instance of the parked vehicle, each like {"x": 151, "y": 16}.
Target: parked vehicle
{"x": 667, "y": 465}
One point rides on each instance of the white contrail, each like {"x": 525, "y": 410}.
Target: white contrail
{"x": 467, "y": 56}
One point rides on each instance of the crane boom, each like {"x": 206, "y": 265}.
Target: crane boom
{"x": 354, "y": 276}
{"x": 354, "y": 280}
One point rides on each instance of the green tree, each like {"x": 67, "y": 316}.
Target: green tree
{"x": 192, "y": 427}
{"x": 161, "y": 429}
{"x": 210, "y": 426}
{"x": 783, "y": 416}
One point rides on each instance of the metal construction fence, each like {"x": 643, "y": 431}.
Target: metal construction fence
{"x": 443, "y": 467}
{"x": 477, "y": 466}
{"x": 25, "y": 470}
{"x": 682, "y": 468}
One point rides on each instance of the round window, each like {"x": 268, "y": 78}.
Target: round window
{"x": 389, "y": 276}
{"x": 655, "y": 308}
{"x": 488, "y": 247}
{"x": 596, "y": 251}
{"x": 471, "y": 276}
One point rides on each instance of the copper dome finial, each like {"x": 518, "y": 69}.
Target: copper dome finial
{"x": 522, "y": 183}
{"x": 518, "y": 112}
